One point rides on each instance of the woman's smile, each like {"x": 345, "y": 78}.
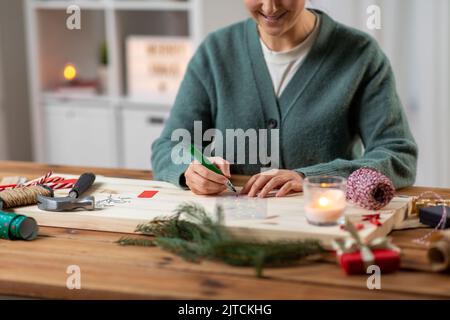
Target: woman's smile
{"x": 282, "y": 24}
{"x": 273, "y": 18}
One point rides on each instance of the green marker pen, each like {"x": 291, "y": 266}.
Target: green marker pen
{"x": 207, "y": 164}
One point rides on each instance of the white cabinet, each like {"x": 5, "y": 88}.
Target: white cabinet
{"x": 80, "y": 133}
{"x": 140, "y": 128}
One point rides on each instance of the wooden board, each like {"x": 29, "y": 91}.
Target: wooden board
{"x": 270, "y": 218}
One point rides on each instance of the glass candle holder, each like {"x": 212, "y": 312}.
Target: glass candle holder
{"x": 325, "y": 199}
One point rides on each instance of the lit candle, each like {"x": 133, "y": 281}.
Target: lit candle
{"x": 70, "y": 72}
{"x": 324, "y": 203}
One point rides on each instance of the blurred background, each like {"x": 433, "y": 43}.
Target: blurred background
{"x": 91, "y": 82}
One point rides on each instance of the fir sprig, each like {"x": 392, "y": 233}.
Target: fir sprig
{"x": 198, "y": 236}
{"x": 126, "y": 241}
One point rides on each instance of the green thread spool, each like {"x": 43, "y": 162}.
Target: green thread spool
{"x": 5, "y": 221}
{"x": 17, "y": 227}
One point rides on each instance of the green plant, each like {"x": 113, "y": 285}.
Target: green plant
{"x": 104, "y": 54}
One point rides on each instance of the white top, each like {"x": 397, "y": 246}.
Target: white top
{"x": 283, "y": 65}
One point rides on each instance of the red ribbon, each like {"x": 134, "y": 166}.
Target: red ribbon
{"x": 7, "y": 186}
{"x": 52, "y": 182}
{"x": 372, "y": 218}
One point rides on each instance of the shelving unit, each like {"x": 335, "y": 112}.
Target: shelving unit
{"x": 110, "y": 129}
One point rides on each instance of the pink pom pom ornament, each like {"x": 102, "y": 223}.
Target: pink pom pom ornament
{"x": 369, "y": 189}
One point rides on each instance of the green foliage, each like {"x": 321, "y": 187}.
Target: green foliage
{"x": 137, "y": 242}
{"x": 198, "y": 236}
{"x": 103, "y": 54}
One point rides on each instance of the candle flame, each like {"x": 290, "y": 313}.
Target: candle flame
{"x": 70, "y": 72}
{"x": 323, "y": 201}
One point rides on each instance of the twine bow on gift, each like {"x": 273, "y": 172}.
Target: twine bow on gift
{"x": 355, "y": 244}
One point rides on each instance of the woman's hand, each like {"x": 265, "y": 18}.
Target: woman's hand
{"x": 203, "y": 181}
{"x": 261, "y": 184}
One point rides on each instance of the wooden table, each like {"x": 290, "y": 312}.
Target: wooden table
{"x": 38, "y": 268}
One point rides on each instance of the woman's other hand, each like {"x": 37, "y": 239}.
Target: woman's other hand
{"x": 203, "y": 181}
{"x": 287, "y": 181}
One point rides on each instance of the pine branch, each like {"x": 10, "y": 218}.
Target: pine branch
{"x": 272, "y": 253}
{"x": 126, "y": 241}
{"x": 190, "y": 251}
{"x": 192, "y": 234}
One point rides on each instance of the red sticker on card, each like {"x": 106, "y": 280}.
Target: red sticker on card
{"x": 147, "y": 194}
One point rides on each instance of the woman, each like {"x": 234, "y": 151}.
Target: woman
{"x": 328, "y": 89}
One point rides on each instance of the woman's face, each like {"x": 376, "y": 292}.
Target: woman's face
{"x": 275, "y": 17}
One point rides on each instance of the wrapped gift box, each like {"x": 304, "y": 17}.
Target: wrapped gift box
{"x": 387, "y": 260}
{"x": 431, "y": 216}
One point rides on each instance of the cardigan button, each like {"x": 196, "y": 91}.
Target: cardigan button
{"x": 272, "y": 123}
{"x": 267, "y": 165}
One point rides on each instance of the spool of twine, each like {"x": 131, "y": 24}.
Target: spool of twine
{"x": 23, "y": 196}
{"x": 369, "y": 189}
{"x": 439, "y": 254}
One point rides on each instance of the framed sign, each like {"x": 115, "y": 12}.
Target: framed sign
{"x": 156, "y": 67}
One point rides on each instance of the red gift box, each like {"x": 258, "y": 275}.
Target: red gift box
{"x": 387, "y": 260}
{"x": 355, "y": 257}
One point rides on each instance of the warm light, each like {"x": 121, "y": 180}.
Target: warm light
{"x": 70, "y": 72}
{"x": 323, "y": 201}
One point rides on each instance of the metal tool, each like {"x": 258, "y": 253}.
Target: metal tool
{"x": 72, "y": 201}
